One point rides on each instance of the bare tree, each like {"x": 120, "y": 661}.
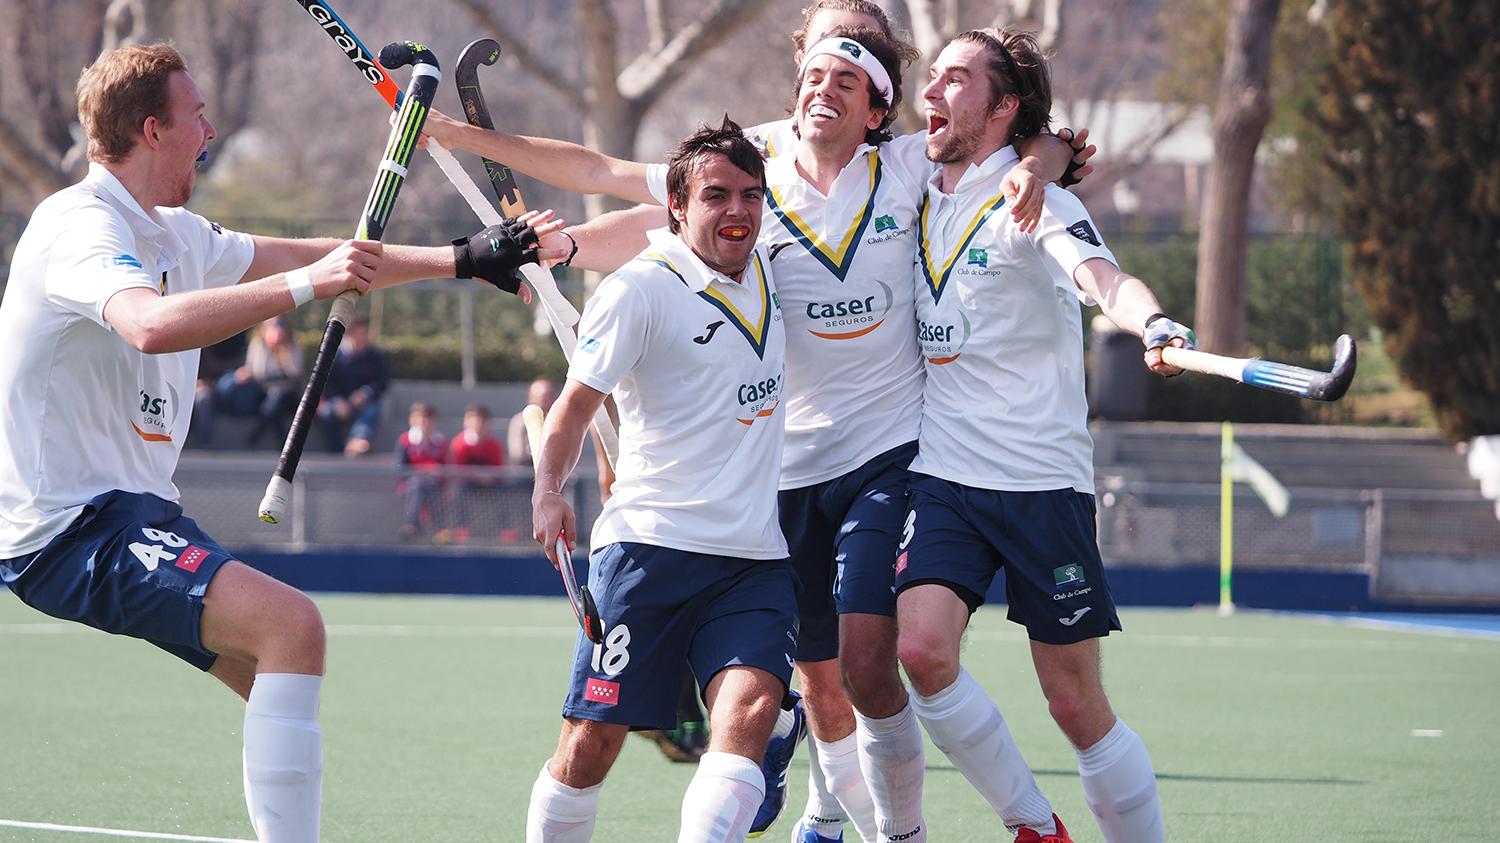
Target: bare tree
{"x": 42, "y": 148}
{"x": 1244, "y": 110}
{"x": 614, "y": 95}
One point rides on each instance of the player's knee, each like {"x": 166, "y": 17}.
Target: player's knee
{"x": 930, "y": 662}
{"x": 301, "y": 636}
{"x": 1080, "y": 716}
{"x": 585, "y": 754}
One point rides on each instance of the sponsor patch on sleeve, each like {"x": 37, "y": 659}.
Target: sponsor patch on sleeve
{"x": 123, "y": 260}
{"x": 1085, "y": 232}
{"x": 588, "y": 345}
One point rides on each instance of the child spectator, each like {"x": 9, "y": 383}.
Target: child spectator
{"x": 477, "y": 496}
{"x": 422, "y": 451}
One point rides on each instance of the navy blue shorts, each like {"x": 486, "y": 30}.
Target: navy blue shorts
{"x": 843, "y": 535}
{"x": 959, "y": 536}
{"x": 663, "y": 607}
{"x": 130, "y": 564}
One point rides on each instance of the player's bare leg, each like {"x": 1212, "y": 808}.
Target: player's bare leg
{"x": 837, "y": 778}
{"x": 961, "y": 719}
{"x": 873, "y": 683}
{"x": 1118, "y": 781}
{"x": 722, "y": 799}
{"x": 565, "y": 796}
{"x": 271, "y": 643}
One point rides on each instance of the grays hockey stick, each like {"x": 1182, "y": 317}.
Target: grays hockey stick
{"x": 389, "y": 177}
{"x": 584, "y": 607}
{"x": 559, "y": 311}
{"x": 1277, "y": 377}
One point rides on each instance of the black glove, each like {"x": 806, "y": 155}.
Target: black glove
{"x": 1070, "y": 175}
{"x": 496, "y": 254}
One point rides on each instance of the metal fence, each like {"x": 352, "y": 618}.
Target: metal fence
{"x": 1414, "y": 544}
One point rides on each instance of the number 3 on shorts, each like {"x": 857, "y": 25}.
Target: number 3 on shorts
{"x": 612, "y": 656}
{"x": 152, "y": 555}
{"x": 909, "y": 529}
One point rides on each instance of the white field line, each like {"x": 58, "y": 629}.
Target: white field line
{"x": 1418, "y": 627}
{"x": 117, "y": 832}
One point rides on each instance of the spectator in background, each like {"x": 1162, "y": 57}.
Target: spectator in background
{"x": 350, "y": 411}
{"x": 267, "y": 386}
{"x": 422, "y": 451}
{"x": 213, "y": 361}
{"x": 541, "y": 393}
{"x": 476, "y": 500}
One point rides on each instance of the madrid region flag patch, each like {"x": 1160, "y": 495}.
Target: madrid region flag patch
{"x": 602, "y": 691}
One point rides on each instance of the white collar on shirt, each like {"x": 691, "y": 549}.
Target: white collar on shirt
{"x": 170, "y": 247}
{"x": 986, "y": 172}
{"x": 695, "y": 273}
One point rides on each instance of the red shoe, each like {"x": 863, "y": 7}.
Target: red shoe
{"x": 1030, "y": 835}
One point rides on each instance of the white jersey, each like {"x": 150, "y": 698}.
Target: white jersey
{"x": 843, "y": 267}
{"x": 88, "y": 413}
{"x": 773, "y": 138}
{"x": 999, "y": 321}
{"x": 696, "y": 362}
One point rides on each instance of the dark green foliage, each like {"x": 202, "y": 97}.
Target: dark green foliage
{"x": 1412, "y": 100}
{"x": 1299, "y": 301}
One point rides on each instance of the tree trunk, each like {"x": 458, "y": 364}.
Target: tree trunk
{"x": 1243, "y": 110}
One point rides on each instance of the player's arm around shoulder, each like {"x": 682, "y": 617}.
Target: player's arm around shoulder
{"x": 561, "y": 164}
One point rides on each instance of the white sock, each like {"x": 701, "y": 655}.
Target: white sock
{"x": 846, "y": 781}
{"x": 1120, "y": 787}
{"x": 966, "y": 725}
{"x": 561, "y": 814}
{"x": 721, "y": 800}
{"x": 785, "y": 720}
{"x": 283, "y": 761}
{"x": 892, "y": 756}
{"x": 823, "y": 813}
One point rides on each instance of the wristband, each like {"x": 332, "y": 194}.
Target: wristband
{"x": 1152, "y": 318}
{"x": 299, "y": 284}
{"x": 573, "y": 254}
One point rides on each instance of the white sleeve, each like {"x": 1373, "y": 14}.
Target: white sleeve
{"x": 1067, "y": 237}
{"x": 612, "y": 334}
{"x": 907, "y": 156}
{"x": 227, "y": 254}
{"x": 656, "y": 182}
{"x": 84, "y": 274}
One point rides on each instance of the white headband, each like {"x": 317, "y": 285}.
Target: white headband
{"x": 856, "y": 53}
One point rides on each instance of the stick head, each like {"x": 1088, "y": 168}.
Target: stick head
{"x": 485, "y": 51}
{"x": 402, "y": 53}
{"x": 1332, "y": 386}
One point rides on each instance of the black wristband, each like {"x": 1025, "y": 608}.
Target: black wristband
{"x": 463, "y": 262}
{"x": 573, "y": 254}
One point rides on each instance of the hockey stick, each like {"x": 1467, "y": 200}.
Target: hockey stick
{"x": 1277, "y": 377}
{"x": 389, "y": 177}
{"x": 579, "y": 597}
{"x": 559, "y": 311}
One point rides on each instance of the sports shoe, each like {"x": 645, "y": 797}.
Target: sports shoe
{"x": 778, "y": 758}
{"x": 802, "y": 834}
{"x": 684, "y": 744}
{"x": 1031, "y": 835}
